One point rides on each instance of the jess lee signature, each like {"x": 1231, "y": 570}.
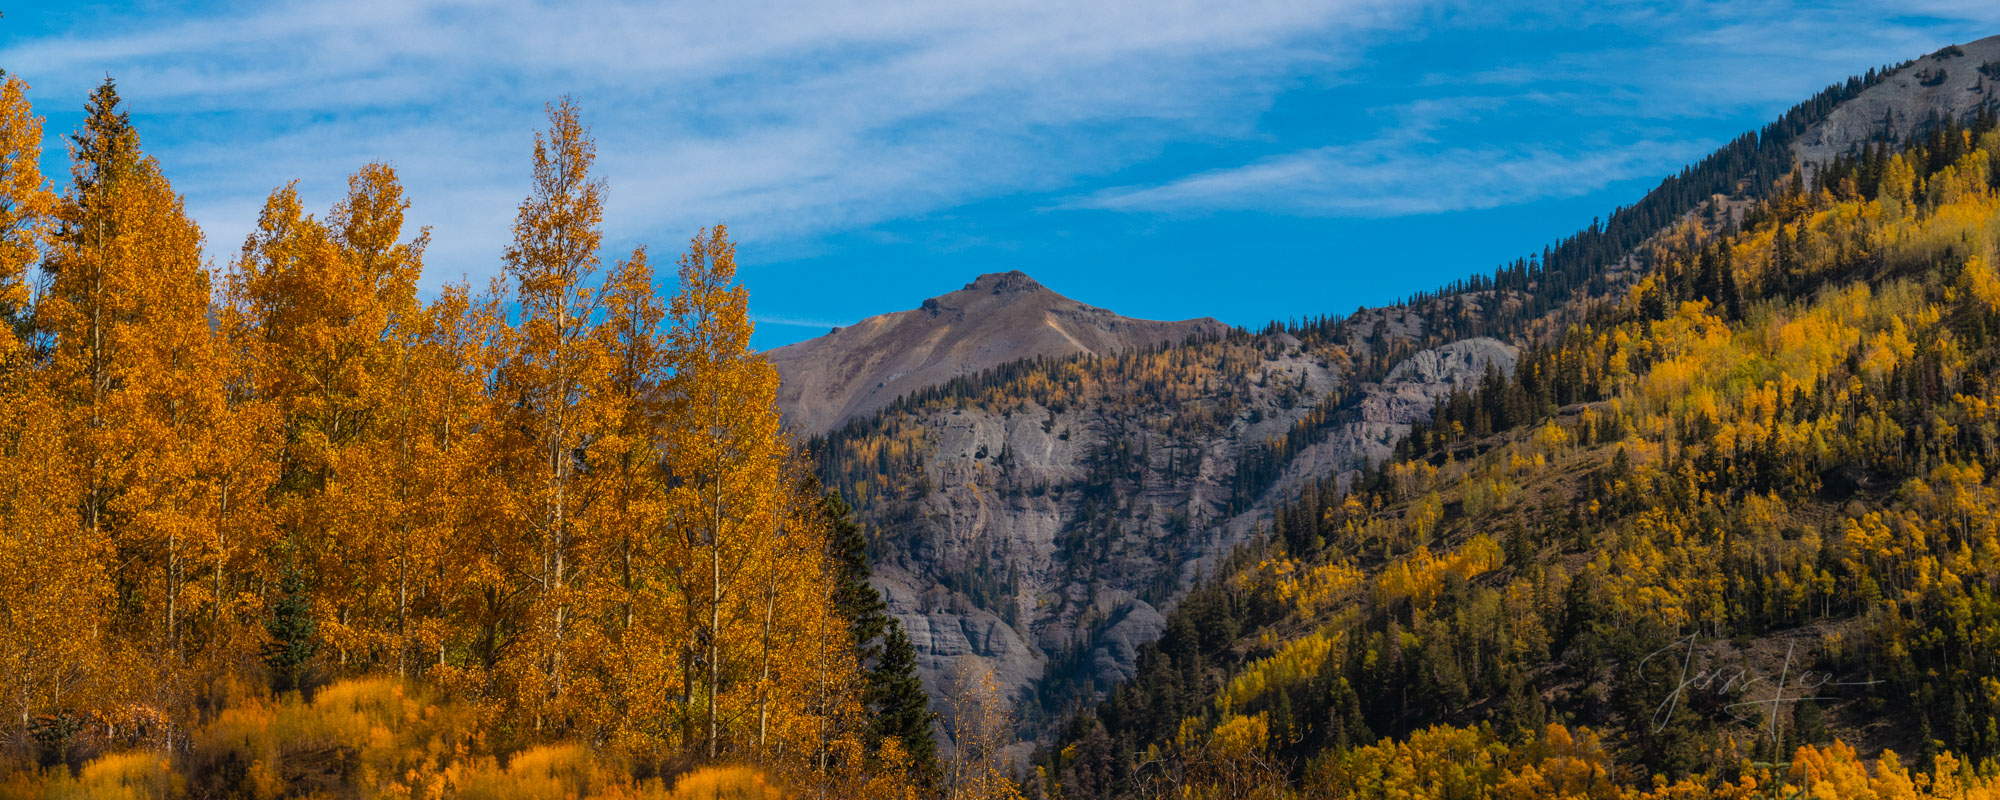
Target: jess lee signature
{"x": 1789, "y": 687}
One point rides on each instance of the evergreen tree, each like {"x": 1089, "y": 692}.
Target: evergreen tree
{"x": 100, "y": 152}
{"x": 292, "y": 631}
{"x": 1732, "y": 296}
{"x": 895, "y": 695}
{"x": 856, "y": 599}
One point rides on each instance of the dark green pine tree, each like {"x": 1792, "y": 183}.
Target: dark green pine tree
{"x": 1732, "y": 295}
{"x": 895, "y": 697}
{"x": 292, "y": 632}
{"x": 104, "y": 150}
{"x": 1708, "y": 279}
{"x": 857, "y": 600}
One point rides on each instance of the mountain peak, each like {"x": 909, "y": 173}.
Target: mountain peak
{"x": 998, "y": 318}
{"x": 1009, "y": 282}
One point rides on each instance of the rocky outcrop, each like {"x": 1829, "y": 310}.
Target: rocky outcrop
{"x": 1020, "y": 554}
{"x": 1954, "y": 82}
{"x": 996, "y": 319}
{"x": 1387, "y": 409}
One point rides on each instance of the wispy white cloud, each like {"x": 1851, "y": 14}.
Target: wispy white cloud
{"x": 794, "y": 119}
{"x": 1387, "y": 179}
{"x": 1418, "y": 165}
{"x": 1652, "y": 64}
{"x": 782, "y": 118}
{"x": 795, "y": 322}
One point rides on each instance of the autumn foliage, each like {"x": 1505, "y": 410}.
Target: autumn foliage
{"x": 293, "y": 515}
{"x": 1729, "y": 528}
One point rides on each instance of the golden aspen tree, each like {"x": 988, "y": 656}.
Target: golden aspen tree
{"x": 54, "y": 594}
{"x": 331, "y": 306}
{"x": 622, "y": 474}
{"x": 25, "y": 200}
{"x": 552, "y": 261}
{"x": 85, "y": 296}
{"x": 769, "y": 580}
{"x": 136, "y": 360}
{"x": 403, "y": 470}
{"x": 235, "y": 464}
{"x": 979, "y": 726}
{"x": 624, "y": 412}
{"x": 831, "y": 679}
{"x": 276, "y": 299}
{"x": 725, "y": 454}
{"x": 656, "y": 668}
{"x": 810, "y": 717}
{"x": 320, "y": 303}
{"x": 447, "y": 437}
{"x": 382, "y": 479}
{"x": 169, "y": 410}
{"x": 811, "y": 681}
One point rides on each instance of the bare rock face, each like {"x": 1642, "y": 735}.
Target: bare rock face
{"x": 1953, "y": 82}
{"x": 1013, "y": 555}
{"x": 1387, "y": 410}
{"x": 1022, "y": 566}
{"x": 1047, "y": 542}
{"x": 996, "y": 319}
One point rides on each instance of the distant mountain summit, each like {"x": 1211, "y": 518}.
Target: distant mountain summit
{"x": 1952, "y": 83}
{"x": 997, "y": 318}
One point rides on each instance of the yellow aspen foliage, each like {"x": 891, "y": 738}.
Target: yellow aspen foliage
{"x": 1565, "y": 764}
{"x": 1313, "y": 588}
{"x": 724, "y": 448}
{"x": 321, "y": 309}
{"x": 171, "y": 466}
{"x": 621, "y": 416}
{"x": 1979, "y": 280}
{"x": 553, "y": 261}
{"x": 565, "y": 534}
{"x": 1898, "y": 183}
{"x": 443, "y": 451}
{"x": 55, "y": 656}
{"x": 26, "y": 204}
{"x": 805, "y": 692}
{"x": 1297, "y": 661}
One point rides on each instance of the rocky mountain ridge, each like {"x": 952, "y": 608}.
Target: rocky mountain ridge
{"x": 998, "y": 318}
{"x": 1954, "y": 82}
{"x": 1044, "y": 535}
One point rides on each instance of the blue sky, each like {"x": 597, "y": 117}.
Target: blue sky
{"x": 1247, "y": 160}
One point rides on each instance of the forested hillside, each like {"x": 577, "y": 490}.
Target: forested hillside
{"x": 1039, "y": 519}
{"x": 1698, "y": 502}
{"x": 1036, "y": 520}
{"x": 285, "y": 529}
{"x": 1730, "y": 532}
